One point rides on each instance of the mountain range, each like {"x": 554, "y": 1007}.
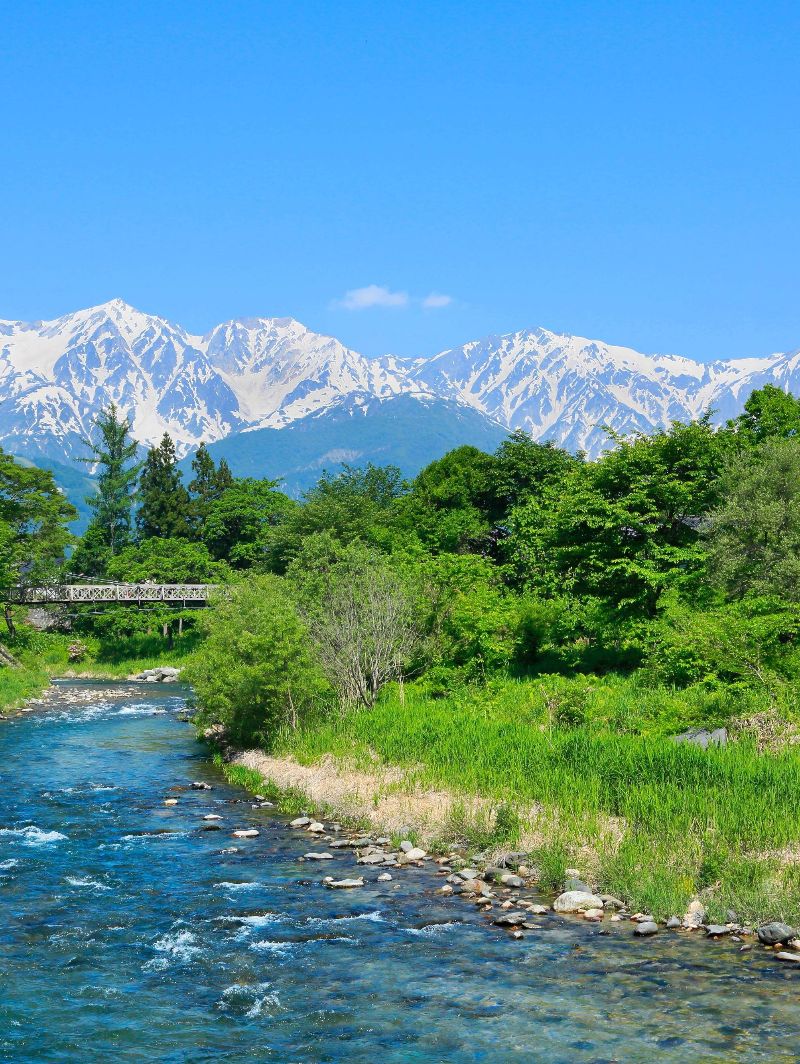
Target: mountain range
{"x": 278, "y": 399}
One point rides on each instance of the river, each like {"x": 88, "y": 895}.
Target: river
{"x": 128, "y": 934}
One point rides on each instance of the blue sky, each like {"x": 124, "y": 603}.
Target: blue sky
{"x": 408, "y": 176}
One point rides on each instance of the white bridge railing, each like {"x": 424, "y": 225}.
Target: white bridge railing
{"x": 133, "y": 593}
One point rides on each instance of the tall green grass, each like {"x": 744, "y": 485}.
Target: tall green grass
{"x": 690, "y": 820}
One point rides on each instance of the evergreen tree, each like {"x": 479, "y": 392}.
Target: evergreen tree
{"x": 112, "y": 502}
{"x": 207, "y": 486}
{"x": 164, "y": 504}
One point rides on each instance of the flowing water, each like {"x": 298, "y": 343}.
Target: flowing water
{"x": 127, "y": 933}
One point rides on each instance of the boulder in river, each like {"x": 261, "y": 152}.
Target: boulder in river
{"x": 646, "y": 927}
{"x": 717, "y": 930}
{"x": 245, "y": 833}
{"x": 575, "y": 901}
{"x": 786, "y": 955}
{"x": 343, "y": 884}
{"x": 775, "y": 934}
{"x": 319, "y": 856}
{"x": 300, "y": 822}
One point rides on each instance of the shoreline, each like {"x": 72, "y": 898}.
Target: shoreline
{"x": 380, "y": 826}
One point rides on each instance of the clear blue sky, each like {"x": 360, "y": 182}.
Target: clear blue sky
{"x": 627, "y": 171}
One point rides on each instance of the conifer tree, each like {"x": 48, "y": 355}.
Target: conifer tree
{"x": 207, "y": 486}
{"x": 164, "y": 504}
{"x": 114, "y": 453}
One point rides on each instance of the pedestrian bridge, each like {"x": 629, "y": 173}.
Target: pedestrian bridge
{"x": 135, "y": 594}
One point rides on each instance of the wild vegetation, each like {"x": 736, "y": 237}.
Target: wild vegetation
{"x": 526, "y": 625}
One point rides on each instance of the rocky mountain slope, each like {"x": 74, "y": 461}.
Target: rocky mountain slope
{"x": 273, "y": 373}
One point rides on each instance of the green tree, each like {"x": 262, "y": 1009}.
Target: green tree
{"x": 754, "y": 534}
{"x": 207, "y": 485}
{"x": 167, "y": 561}
{"x": 769, "y": 413}
{"x": 523, "y": 468}
{"x": 164, "y": 505}
{"x": 113, "y": 452}
{"x": 624, "y": 529}
{"x": 34, "y": 528}
{"x": 451, "y": 505}
{"x": 353, "y": 505}
{"x": 238, "y": 524}
{"x": 256, "y": 673}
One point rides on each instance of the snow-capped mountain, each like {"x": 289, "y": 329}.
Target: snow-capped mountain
{"x": 271, "y": 373}
{"x": 567, "y": 388}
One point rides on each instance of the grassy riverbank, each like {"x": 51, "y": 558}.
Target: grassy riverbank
{"x": 651, "y": 820}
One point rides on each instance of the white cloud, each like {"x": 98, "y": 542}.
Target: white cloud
{"x": 436, "y": 300}
{"x": 373, "y": 295}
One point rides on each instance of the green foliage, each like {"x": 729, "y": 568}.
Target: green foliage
{"x": 167, "y": 561}
{"x": 769, "y": 413}
{"x": 256, "y": 674}
{"x": 206, "y": 486}
{"x": 238, "y": 522}
{"x": 111, "y": 505}
{"x": 34, "y": 518}
{"x": 164, "y": 506}
{"x": 754, "y": 534}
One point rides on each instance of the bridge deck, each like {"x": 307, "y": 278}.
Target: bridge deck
{"x": 133, "y": 593}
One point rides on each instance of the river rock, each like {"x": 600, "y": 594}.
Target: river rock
{"x": 319, "y": 856}
{"x": 415, "y": 854}
{"x": 511, "y": 880}
{"x": 537, "y": 910}
{"x": 315, "y": 827}
{"x": 785, "y": 955}
{"x": 406, "y": 845}
{"x": 199, "y": 785}
{"x": 573, "y": 883}
{"x": 170, "y": 801}
{"x": 593, "y": 915}
{"x": 646, "y": 927}
{"x": 512, "y": 919}
{"x": 211, "y": 827}
{"x": 343, "y": 884}
{"x": 245, "y": 833}
{"x": 775, "y": 934}
{"x": 384, "y": 877}
{"x": 468, "y": 873}
{"x": 716, "y": 930}
{"x": 372, "y": 858}
{"x": 674, "y": 922}
{"x": 212, "y": 816}
{"x": 610, "y": 902}
{"x": 573, "y": 901}
{"x": 300, "y": 822}
{"x": 695, "y": 914}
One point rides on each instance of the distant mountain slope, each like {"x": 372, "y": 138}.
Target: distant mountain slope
{"x": 403, "y": 431}
{"x": 274, "y": 374}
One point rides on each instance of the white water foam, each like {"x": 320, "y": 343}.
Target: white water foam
{"x": 375, "y": 917}
{"x": 177, "y": 947}
{"x": 431, "y": 930}
{"x": 233, "y": 887}
{"x": 78, "y": 881}
{"x": 10, "y": 863}
{"x": 251, "y": 1001}
{"x": 33, "y": 836}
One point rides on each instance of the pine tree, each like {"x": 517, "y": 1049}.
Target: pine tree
{"x": 112, "y": 502}
{"x": 207, "y": 486}
{"x": 164, "y": 504}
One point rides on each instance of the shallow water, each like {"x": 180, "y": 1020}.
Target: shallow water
{"x": 127, "y": 935}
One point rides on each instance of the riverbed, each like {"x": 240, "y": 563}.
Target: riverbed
{"x": 129, "y": 932}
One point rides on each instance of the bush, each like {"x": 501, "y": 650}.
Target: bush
{"x": 255, "y": 673}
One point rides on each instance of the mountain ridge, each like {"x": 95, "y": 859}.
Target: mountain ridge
{"x": 256, "y": 373}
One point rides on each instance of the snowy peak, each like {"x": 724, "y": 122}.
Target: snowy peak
{"x": 253, "y": 373}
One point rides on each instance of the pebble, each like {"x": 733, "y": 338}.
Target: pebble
{"x": 245, "y": 833}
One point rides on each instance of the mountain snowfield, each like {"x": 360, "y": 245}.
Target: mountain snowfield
{"x": 273, "y": 373}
